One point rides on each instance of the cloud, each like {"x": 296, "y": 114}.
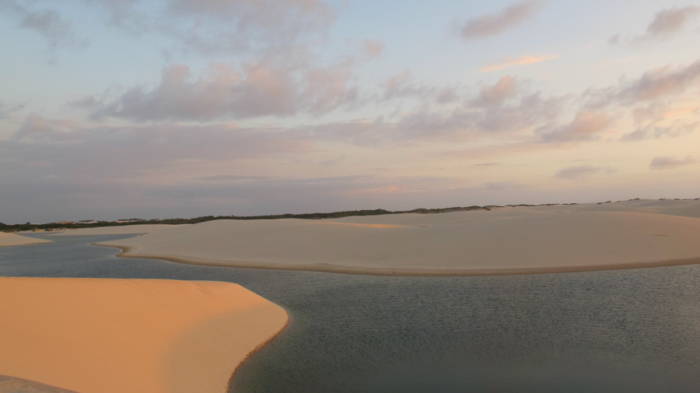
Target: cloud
{"x": 487, "y": 164}
{"x": 74, "y": 152}
{"x": 671, "y": 21}
{"x": 580, "y": 172}
{"x": 225, "y": 91}
{"x": 502, "y": 113}
{"x": 502, "y": 107}
{"x": 666, "y": 23}
{"x": 204, "y": 26}
{"x": 7, "y": 110}
{"x": 587, "y": 125}
{"x": 663, "y": 163}
{"x": 657, "y": 132}
{"x": 47, "y": 23}
{"x": 493, "y": 24}
{"x": 503, "y": 90}
{"x": 373, "y": 48}
{"x": 225, "y": 25}
{"x": 514, "y": 62}
{"x": 37, "y": 128}
{"x": 660, "y": 82}
{"x": 171, "y": 170}
{"x": 402, "y": 85}
{"x": 447, "y": 95}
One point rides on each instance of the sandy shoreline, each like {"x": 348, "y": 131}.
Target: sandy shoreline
{"x": 521, "y": 240}
{"x": 131, "y": 335}
{"x": 12, "y": 239}
{"x": 125, "y": 252}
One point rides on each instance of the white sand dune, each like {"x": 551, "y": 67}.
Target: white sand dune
{"x": 13, "y": 239}
{"x": 115, "y": 230}
{"x": 504, "y": 240}
{"x": 117, "y": 336}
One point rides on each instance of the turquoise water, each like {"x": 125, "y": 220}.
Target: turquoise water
{"x": 617, "y": 331}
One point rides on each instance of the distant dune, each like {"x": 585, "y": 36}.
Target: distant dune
{"x": 115, "y": 230}
{"x": 503, "y": 240}
{"x": 13, "y": 239}
{"x": 121, "y": 336}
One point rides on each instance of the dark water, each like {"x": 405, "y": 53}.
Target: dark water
{"x": 618, "y": 331}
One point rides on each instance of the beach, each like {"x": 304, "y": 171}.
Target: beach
{"x": 130, "y": 335}
{"x": 504, "y": 240}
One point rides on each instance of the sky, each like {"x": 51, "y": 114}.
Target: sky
{"x": 180, "y": 108}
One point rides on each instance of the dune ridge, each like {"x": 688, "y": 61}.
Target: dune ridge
{"x": 131, "y": 335}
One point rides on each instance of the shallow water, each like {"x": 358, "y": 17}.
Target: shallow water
{"x": 616, "y": 331}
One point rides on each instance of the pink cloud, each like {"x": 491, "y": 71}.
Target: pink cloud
{"x": 492, "y": 24}
{"x": 519, "y": 61}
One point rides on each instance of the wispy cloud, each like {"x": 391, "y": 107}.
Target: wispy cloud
{"x": 255, "y": 90}
{"x": 665, "y": 24}
{"x": 660, "y": 82}
{"x": 7, "y": 110}
{"x": 662, "y": 163}
{"x": 493, "y": 24}
{"x": 579, "y": 172}
{"x": 47, "y": 23}
{"x": 373, "y": 48}
{"x": 671, "y": 20}
{"x": 587, "y": 125}
{"x": 505, "y": 89}
{"x": 204, "y": 27}
{"x": 517, "y": 61}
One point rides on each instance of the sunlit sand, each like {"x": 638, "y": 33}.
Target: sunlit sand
{"x": 112, "y": 335}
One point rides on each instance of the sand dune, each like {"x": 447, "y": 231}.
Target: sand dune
{"x": 504, "y": 240}
{"x": 115, "y": 230}
{"x": 18, "y": 385}
{"x": 116, "y": 336}
{"x": 13, "y": 239}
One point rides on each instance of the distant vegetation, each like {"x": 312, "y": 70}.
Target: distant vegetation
{"x": 175, "y": 221}
{"x": 309, "y": 216}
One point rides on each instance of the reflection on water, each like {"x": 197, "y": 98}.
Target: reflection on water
{"x": 618, "y": 331}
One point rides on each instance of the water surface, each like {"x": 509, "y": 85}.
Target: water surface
{"x": 615, "y": 331}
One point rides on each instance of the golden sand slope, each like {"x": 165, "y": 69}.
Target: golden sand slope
{"x": 504, "y": 240}
{"x": 116, "y": 336}
{"x": 12, "y": 239}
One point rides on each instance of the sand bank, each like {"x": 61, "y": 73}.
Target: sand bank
{"x": 115, "y": 230}
{"x": 116, "y": 336}
{"x": 13, "y": 239}
{"x": 502, "y": 241}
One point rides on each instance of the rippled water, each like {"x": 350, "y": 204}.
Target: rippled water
{"x": 617, "y": 331}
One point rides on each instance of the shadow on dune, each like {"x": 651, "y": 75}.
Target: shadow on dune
{"x": 18, "y": 385}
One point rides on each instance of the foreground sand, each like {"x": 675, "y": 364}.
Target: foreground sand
{"x": 18, "y": 385}
{"x": 117, "y": 336}
{"x": 13, "y": 239}
{"x": 504, "y": 240}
